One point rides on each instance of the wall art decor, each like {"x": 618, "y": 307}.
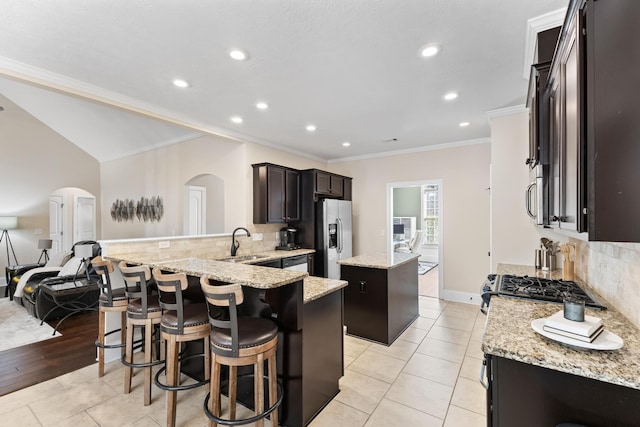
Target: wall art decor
{"x": 146, "y": 209}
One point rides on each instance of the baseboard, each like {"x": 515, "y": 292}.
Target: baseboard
{"x": 465, "y": 297}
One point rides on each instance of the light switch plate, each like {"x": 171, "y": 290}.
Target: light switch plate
{"x": 257, "y": 236}
{"x": 37, "y": 231}
{"x": 164, "y": 245}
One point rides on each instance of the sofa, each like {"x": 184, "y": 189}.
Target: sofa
{"x": 29, "y": 292}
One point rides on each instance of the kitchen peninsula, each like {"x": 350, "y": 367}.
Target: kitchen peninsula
{"x": 308, "y": 312}
{"x": 381, "y": 299}
{"x": 536, "y": 381}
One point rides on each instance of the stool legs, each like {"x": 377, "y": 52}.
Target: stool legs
{"x": 128, "y": 370}
{"x": 258, "y": 387}
{"x": 214, "y": 390}
{"x": 172, "y": 374}
{"x": 101, "y": 326}
{"x": 148, "y": 335}
{"x": 273, "y": 386}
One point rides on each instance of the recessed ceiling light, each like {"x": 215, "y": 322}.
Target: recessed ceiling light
{"x": 429, "y": 50}
{"x": 463, "y": 124}
{"x": 236, "y": 119}
{"x": 262, "y": 105}
{"x": 238, "y": 54}
{"x": 311, "y": 128}
{"x": 449, "y": 96}
{"x": 181, "y": 83}
{"x": 346, "y": 144}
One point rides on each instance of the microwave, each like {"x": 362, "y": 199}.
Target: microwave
{"x": 537, "y": 195}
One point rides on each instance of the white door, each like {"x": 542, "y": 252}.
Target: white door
{"x": 56, "y": 223}
{"x": 197, "y": 202}
{"x": 84, "y": 218}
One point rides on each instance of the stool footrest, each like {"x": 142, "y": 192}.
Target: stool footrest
{"x": 140, "y": 364}
{"x": 243, "y": 421}
{"x": 162, "y": 386}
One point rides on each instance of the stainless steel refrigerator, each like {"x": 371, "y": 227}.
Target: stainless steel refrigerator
{"x": 335, "y": 235}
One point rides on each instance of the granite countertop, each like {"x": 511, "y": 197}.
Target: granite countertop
{"x": 317, "y": 287}
{"x": 508, "y": 334}
{"x": 383, "y": 261}
{"x": 247, "y": 275}
{"x": 266, "y": 256}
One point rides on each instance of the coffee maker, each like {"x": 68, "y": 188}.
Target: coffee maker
{"x": 288, "y": 239}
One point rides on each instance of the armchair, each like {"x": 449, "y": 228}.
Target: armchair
{"x": 29, "y": 288}
{"x": 413, "y": 243}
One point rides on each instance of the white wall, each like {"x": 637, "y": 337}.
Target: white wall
{"x": 513, "y": 237}
{"x": 464, "y": 172}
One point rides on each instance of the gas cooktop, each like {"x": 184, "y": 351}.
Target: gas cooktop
{"x": 536, "y": 288}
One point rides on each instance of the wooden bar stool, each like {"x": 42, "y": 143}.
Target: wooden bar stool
{"x": 110, "y": 300}
{"x": 144, "y": 311}
{"x": 180, "y": 323}
{"x": 240, "y": 341}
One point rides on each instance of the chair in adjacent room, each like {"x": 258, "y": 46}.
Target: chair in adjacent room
{"x": 110, "y": 301}
{"x": 180, "y": 323}
{"x": 240, "y": 341}
{"x": 143, "y": 311}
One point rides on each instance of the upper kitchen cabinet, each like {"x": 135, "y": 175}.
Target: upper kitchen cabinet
{"x": 326, "y": 184}
{"x": 613, "y": 119}
{"x": 567, "y": 101}
{"x": 594, "y": 125}
{"x": 276, "y": 194}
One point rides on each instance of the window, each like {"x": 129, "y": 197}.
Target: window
{"x": 431, "y": 218}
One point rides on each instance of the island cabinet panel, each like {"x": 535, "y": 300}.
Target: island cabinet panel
{"x": 379, "y": 304}
{"x": 525, "y": 395}
{"x": 322, "y": 353}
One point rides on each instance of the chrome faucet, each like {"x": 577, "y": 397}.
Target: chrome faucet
{"x": 235, "y": 245}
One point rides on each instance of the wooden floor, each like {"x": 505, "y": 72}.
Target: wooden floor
{"x": 30, "y": 364}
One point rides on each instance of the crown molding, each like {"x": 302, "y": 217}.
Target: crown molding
{"x": 534, "y": 26}
{"x": 507, "y": 111}
{"x": 444, "y": 146}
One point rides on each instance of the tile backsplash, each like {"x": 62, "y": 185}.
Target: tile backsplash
{"x": 210, "y": 247}
{"x": 612, "y": 270}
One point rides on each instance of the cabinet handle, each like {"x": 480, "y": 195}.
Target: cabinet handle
{"x": 362, "y": 285}
{"x": 484, "y": 383}
{"x": 558, "y": 218}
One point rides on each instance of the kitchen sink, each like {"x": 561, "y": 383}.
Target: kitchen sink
{"x": 242, "y": 258}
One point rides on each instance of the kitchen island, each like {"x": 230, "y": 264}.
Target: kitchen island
{"x": 381, "y": 300}
{"x": 308, "y": 312}
{"x": 536, "y": 381}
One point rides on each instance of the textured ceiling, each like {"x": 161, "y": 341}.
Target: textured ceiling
{"x": 351, "y": 67}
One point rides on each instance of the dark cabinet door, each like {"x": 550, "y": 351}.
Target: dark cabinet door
{"x": 276, "y": 191}
{"x": 336, "y": 185}
{"x": 292, "y": 195}
{"x": 613, "y": 130}
{"x": 323, "y": 183}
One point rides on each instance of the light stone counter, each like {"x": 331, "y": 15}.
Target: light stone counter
{"x": 384, "y": 261}
{"x": 508, "y": 334}
{"x": 274, "y": 255}
{"x": 317, "y": 287}
{"x": 247, "y": 275}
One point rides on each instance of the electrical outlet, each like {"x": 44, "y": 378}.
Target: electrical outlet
{"x": 257, "y": 236}
{"x": 164, "y": 245}
{"x": 277, "y": 236}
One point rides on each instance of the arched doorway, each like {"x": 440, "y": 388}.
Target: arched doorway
{"x": 204, "y": 205}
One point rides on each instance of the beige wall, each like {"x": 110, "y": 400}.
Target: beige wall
{"x": 36, "y": 161}
{"x": 464, "y": 172}
{"x": 164, "y": 172}
{"x": 514, "y": 239}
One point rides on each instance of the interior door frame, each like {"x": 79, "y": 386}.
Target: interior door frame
{"x": 389, "y": 222}
{"x": 77, "y": 219}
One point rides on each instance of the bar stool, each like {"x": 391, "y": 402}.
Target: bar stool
{"x": 110, "y": 300}
{"x": 240, "y": 341}
{"x": 180, "y": 323}
{"x": 144, "y": 311}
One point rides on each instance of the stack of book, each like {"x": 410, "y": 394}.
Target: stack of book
{"x": 586, "y": 331}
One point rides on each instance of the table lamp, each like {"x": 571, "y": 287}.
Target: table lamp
{"x": 44, "y": 244}
{"x": 8, "y": 223}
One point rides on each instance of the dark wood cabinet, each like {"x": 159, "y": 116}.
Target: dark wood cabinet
{"x": 326, "y": 184}
{"x": 276, "y": 194}
{"x": 567, "y": 126}
{"x": 613, "y": 119}
{"x": 379, "y": 304}
{"x": 538, "y": 104}
{"x": 526, "y": 395}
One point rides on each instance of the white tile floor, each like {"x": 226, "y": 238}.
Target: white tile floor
{"x": 428, "y": 377}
